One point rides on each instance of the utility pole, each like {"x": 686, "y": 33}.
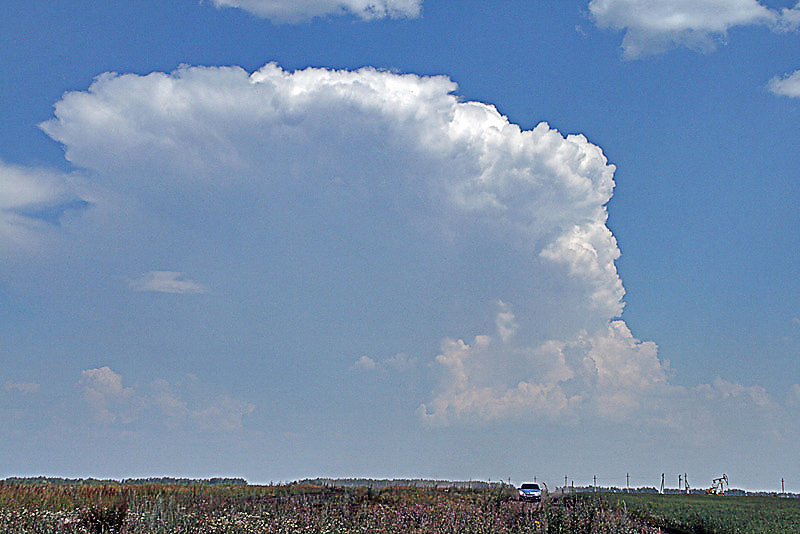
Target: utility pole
{"x": 686, "y": 482}
{"x": 782, "y": 488}
{"x": 565, "y": 483}
{"x": 679, "y": 482}
{"x": 662, "y": 483}
{"x": 595, "y": 483}
{"x": 627, "y": 482}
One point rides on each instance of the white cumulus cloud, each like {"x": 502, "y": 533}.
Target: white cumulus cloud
{"x": 365, "y": 363}
{"x": 607, "y": 374}
{"x": 301, "y": 10}
{"x": 790, "y": 18}
{"x": 788, "y": 85}
{"x": 108, "y": 399}
{"x": 723, "y": 389}
{"x": 471, "y": 388}
{"x": 653, "y": 26}
{"x": 112, "y": 402}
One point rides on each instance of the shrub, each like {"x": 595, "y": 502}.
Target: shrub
{"x": 105, "y": 516}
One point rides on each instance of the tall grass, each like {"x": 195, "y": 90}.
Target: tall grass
{"x": 289, "y": 509}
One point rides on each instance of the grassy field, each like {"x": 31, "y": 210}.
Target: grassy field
{"x": 701, "y": 514}
{"x": 304, "y": 508}
{"x": 297, "y": 509}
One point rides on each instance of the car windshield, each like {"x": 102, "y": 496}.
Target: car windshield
{"x": 530, "y": 486}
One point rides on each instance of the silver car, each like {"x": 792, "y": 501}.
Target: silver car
{"x": 530, "y": 492}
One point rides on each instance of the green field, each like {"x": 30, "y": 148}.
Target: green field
{"x": 700, "y": 514}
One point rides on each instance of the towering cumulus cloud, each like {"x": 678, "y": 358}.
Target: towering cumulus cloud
{"x": 300, "y": 10}
{"x": 391, "y": 170}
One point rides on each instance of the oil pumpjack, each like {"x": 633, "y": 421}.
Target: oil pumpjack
{"x": 718, "y": 486}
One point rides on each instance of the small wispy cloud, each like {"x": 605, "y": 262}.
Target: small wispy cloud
{"x": 22, "y": 387}
{"x": 294, "y": 11}
{"x": 790, "y": 18}
{"x": 365, "y": 363}
{"x": 222, "y": 414}
{"x": 788, "y": 85}
{"x": 400, "y": 362}
{"x": 167, "y": 282}
{"x": 793, "y": 399}
{"x": 33, "y": 202}
{"x": 505, "y": 321}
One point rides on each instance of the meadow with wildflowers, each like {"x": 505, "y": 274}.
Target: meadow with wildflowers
{"x": 297, "y": 508}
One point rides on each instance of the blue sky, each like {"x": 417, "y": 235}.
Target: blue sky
{"x": 280, "y": 239}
